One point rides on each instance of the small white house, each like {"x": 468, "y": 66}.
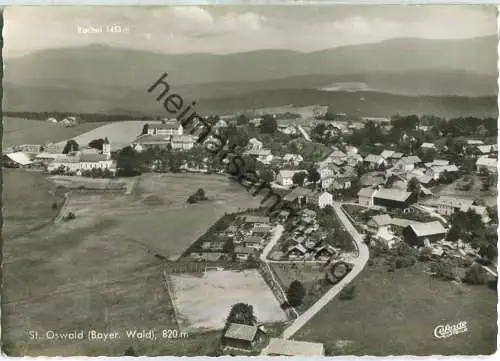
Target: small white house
{"x": 366, "y": 196}
{"x": 255, "y": 144}
{"x": 489, "y": 163}
{"x": 285, "y": 177}
{"x": 321, "y": 200}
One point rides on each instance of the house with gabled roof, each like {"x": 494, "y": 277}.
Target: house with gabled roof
{"x": 374, "y": 161}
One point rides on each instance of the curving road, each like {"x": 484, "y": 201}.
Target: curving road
{"x": 359, "y": 264}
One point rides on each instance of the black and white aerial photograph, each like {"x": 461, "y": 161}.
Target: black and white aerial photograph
{"x": 249, "y": 180}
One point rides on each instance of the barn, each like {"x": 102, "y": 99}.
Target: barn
{"x": 416, "y": 234}
{"x": 16, "y": 160}
{"x": 393, "y": 198}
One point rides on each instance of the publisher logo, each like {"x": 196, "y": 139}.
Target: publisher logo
{"x": 445, "y": 331}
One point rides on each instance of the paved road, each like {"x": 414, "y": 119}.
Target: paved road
{"x": 276, "y": 236}
{"x": 359, "y": 264}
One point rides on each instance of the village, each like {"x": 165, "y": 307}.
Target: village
{"x": 408, "y": 200}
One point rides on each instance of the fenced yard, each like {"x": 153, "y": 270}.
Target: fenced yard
{"x": 311, "y": 275}
{"x": 203, "y": 301}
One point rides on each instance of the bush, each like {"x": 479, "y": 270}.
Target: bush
{"x": 475, "y": 275}
{"x": 296, "y": 293}
{"x": 70, "y": 216}
{"x": 54, "y": 205}
{"x": 348, "y": 293}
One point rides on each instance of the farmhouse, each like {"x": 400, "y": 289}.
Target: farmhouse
{"x": 436, "y": 171}
{"x": 449, "y": 205}
{"x": 379, "y": 222}
{"x": 407, "y": 164}
{"x": 298, "y": 195}
{"x": 282, "y": 347}
{"x": 365, "y": 196}
{"x": 242, "y": 337}
{"x": 416, "y": 234}
{"x": 393, "y": 198}
{"x": 243, "y": 253}
{"x": 166, "y": 128}
{"x": 489, "y": 163}
{"x": 17, "y": 160}
{"x": 296, "y": 251}
{"x": 387, "y": 154}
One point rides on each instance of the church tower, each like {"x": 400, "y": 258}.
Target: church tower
{"x": 106, "y": 148}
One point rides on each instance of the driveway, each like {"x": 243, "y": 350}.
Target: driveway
{"x": 359, "y": 264}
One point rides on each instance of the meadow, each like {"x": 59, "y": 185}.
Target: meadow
{"x": 18, "y": 131}
{"x": 395, "y": 313}
{"x": 100, "y": 272}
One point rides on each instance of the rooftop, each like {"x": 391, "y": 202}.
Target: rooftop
{"x": 488, "y": 162}
{"x": 392, "y": 194}
{"x": 428, "y": 228}
{"x": 241, "y": 332}
{"x": 281, "y": 347}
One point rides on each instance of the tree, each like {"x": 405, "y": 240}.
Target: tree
{"x": 242, "y": 120}
{"x": 228, "y": 247}
{"x": 127, "y": 162}
{"x": 296, "y": 293}
{"x": 268, "y": 124}
{"x": 313, "y": 175}
{"x": 96, "y": 144}
{"x": 414, "y": 187}
{"x": 71, "y": 146}
{"x": 131, "y": 352}
{"x": 299, "y": 178}
{"x": 267, "y": 175}
{"x": 241, "y": 313}
{"x": 475, "y": 275}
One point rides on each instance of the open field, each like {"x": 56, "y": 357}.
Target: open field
{"x": 204, "y": 301}
{"x": 489, "y": 197}
{"x": 395, "y": 313}
{"x": 312, "y": 276}
{"x": 28, "y": 131}
{"x": 157, "y": 214}
{"x": 28, "y": 198}
{"x": 97, "y": 271}
{"x": 120, "y": 134}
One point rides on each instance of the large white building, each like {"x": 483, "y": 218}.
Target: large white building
{"x": 167, "y": 128}
{"x": 82, "y": 161}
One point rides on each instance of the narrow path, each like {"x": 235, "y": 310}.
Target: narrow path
{"x": 359, "y": 264}
{"x": 304, "y": 133}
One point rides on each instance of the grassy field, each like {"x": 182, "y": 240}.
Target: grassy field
{"x": 27, "y": 131}
{"x": 28, "y": 198}
{"x": 95, "y": 272}
{"x": 489, "y": 197}
{"x": 395, "y": 313}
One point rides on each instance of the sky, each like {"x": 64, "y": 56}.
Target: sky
{"x": 229, "y": 29}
